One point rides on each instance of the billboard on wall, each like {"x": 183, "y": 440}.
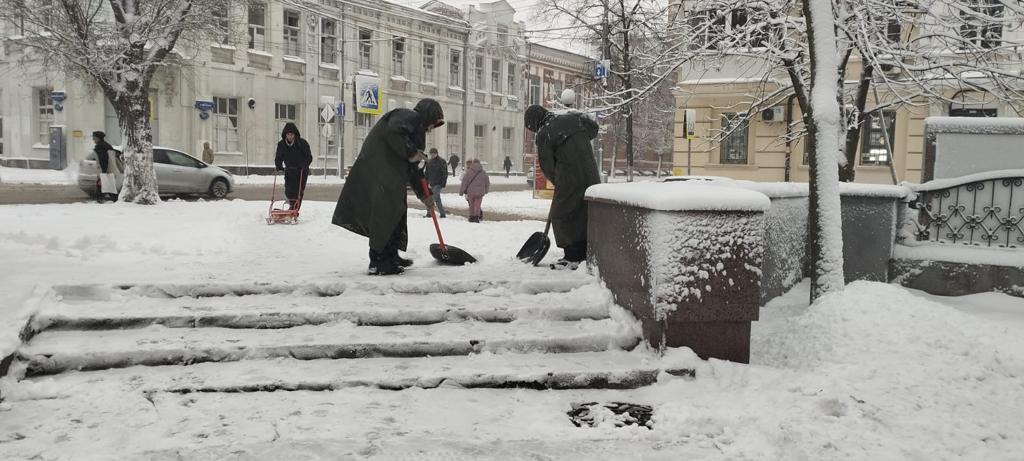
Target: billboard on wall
{"x": 542, "y": 189}
{"x": 368, "y": 95}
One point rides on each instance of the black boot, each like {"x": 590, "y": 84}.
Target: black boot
{"x": 400, "y": 261}
{"x": 384, "y": 264}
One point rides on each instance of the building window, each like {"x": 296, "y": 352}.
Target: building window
{"x": 478, "y": 72}
{"x": 495, "y": 75}
{"x": 510, "y": 88}
{"x": 454, "y": 140}
{"x": 284, "y": 113}
{"x": 873, "y": 148}
{"x": 363, "y": 123}
{"x": 455, "y": 69}
{"x": 365, "y": 48}
{"x": 258, "y": 27}
{"x": 223, "y": 31}
{"x": 734, "y": 146}
{"x": 479, "y": 140}
{"x": 981, "y": 23}
{"x": 398, "y": 56}
{"x": 534, "y": 89}
{"x": 502, "y": 35}
{"x": 964, "y": 111}
{"x": 292, "y": 30}
{"x": 44, "y": 114}
{"x": 428, "y": 62}
{"x": 506, "y": 141}
{"x": 225, "y": 124}
{"x": 328, "y": 41}
{"x": 708, "y": 27}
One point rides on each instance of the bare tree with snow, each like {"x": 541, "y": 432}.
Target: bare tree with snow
{"x": 120, "y": 45}
{"x": 916, "y": 52}
{"x": 629, "y": 33}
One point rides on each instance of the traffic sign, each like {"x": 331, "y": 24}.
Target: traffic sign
{"x": 601, "y": 68}
{"x": 690, "y": 120}
{"x": 340, "y": 110}
{"x": 326, "y": 130}
{"x": 327, "y": 114}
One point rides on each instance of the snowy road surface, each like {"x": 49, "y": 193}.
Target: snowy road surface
{"x": 876, "y": 372}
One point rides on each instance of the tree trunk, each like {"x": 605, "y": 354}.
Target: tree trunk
{"x": 848, "y": 172}
{"x": 824, "y": 209}
{"x": 132, "y": 106}
{"x": 628, "y": 85}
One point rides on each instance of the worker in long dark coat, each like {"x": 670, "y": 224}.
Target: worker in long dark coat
{"x": 373, "y": 200}
{"x": 294, "y": 157}
{"x": 567, "y": 161}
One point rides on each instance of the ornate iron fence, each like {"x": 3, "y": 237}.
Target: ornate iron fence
{"x": 979, "y": 212}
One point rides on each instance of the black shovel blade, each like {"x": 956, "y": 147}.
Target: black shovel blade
{"x": 535, "y": 248}
{"x": 451, "y": 256}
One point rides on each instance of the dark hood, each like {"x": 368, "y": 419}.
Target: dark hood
{"x": 535, "y": 117}
{"x": 431, "y": 112}
{"x": 562, "y": 127}
{"x": 290, "y": 128}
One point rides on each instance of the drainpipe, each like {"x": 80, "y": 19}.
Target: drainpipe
{"x": 465, "y": 96}
{"x": 789, "y": 142}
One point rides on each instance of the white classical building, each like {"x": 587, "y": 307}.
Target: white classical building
{"x": 286, "y": 61}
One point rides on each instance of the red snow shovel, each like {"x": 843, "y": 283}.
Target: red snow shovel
{"x": 537, "y": 246}
{"x": 445, "y": 254}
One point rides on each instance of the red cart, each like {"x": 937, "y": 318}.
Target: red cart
{"x": 289, "y": 215}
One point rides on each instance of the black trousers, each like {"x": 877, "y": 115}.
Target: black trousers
{"x": 576, "y": 252}
{"x": 390, "y": 250}
{"x": 295, "y": 182}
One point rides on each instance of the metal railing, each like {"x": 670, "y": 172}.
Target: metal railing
{"x": 979, "y": 210}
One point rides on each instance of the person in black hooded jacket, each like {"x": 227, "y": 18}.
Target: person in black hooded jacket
{"x": 567, "y": 160}
{"x": 294, "y": 157}
{"x": 373, "y": 199}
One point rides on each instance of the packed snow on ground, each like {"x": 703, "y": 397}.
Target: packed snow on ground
{"x": 873, "y": 372}
{"x": 68, "y": 176}
{"x": 259, "y": 179}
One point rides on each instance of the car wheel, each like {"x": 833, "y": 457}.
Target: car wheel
{"x": 218, "y": 188}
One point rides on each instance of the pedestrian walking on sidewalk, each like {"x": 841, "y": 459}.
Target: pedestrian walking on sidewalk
{"x": 453, "y": 161}
{"x": 475, "y": 185}
{"x": 437, "y": 177}
{"x": 508, "y": 166}
{"x": 107, "y": 182}
{"x": 294, "y": 157}
{"x": 207, "y": 153}
{"x": 373, "y": 201}
{"x": 567, "y": 160}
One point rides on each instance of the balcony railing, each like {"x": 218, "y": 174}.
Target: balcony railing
{"x": 986, "y": 209}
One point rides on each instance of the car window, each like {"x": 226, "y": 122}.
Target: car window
{"x": 160, "y": 156}
{"x": 177, "y": 158}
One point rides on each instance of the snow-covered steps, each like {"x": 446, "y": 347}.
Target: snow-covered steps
{"x": 288, "y": 310}
{"x": 613, "y": 369}
{"x": 374, "y": 285}
{"x": 56, "y": 351}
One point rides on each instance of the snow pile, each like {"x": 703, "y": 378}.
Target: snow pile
{"x": 974, "y": 125}
{"x": 922, "y": 251}
{"x": 68, "y": 176}
{"x": 947, "y": 183}
{"x": 680, "y": 196}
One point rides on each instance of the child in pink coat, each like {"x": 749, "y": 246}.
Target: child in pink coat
{"x": 475, "y": 184}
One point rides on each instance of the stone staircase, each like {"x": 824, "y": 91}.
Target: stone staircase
{"x": 374, "y": 333}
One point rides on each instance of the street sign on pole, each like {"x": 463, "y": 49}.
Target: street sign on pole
{"x": 601, "y": 68}
{"x": 326, "y": 130}
{"x": 327, "y": 114}
{"x": 690, "y": 119}
{"x": 690, "y": 122}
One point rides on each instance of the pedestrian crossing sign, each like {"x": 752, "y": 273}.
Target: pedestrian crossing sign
{"x": 368, "y": 97}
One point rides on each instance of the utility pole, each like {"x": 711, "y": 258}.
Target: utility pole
{"x": 606, "y": 52}
{"x": 343, "y": 80}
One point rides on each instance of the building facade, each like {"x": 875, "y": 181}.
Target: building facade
{"x": 763, "y": 147}
{"x": 297, "y": 61}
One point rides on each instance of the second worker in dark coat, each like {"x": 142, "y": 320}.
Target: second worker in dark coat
{"x": 373, "y": 200}
{"x": 294, "y": 157}
{"x": 567, "y": 160}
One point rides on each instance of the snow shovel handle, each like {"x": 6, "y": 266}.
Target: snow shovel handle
{"x": 437, "y": 227}
{"x": 547, "y": 225}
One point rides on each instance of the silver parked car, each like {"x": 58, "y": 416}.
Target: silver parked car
{"x": 177, "y": 173}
